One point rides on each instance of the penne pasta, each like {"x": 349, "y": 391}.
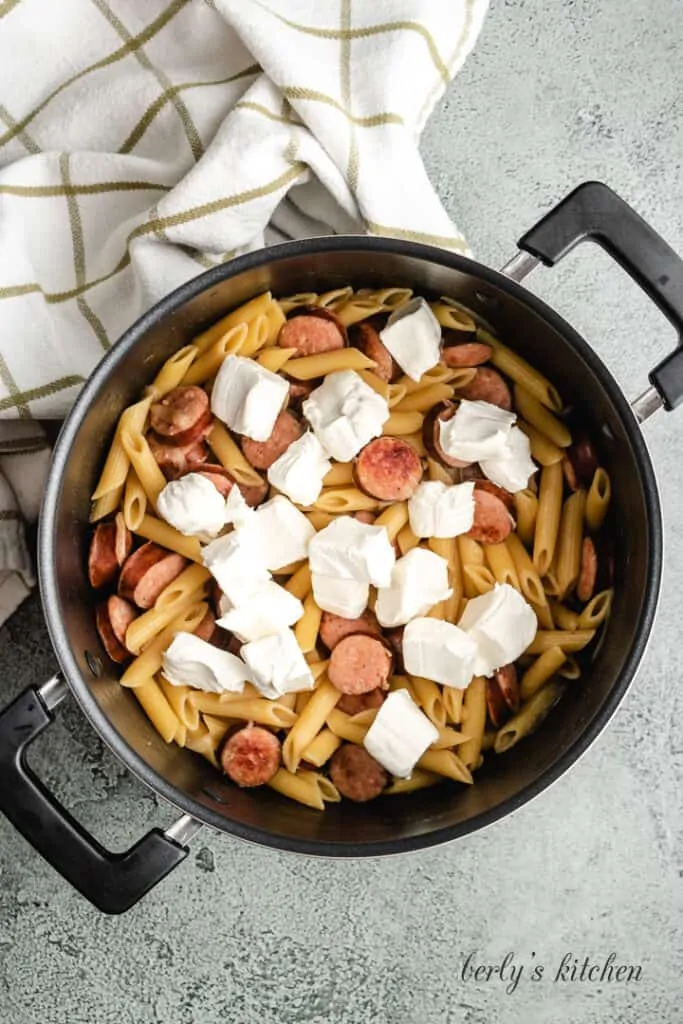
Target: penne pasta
{"x": 134, "y": 503}
{"x": 389, "y": 298}
{"x": 393, "y": 519}
{"x": 210, "y": 362}
{"x": 425, "y": 398}
{"x": 428, "y": 696}
{"x": 148, "y": 663}
{"x": 543, "y": 450}
{"x": 202, "y": 742}
{"x": 407, "y": 540}
{"x": 309, "y": 723}
{"x": 448, "y": 737}
{"x": 171, "y": 373}
{"x": 401, "y": 423}
{"x": 230, "y": 456}
{"x": 319, "y": 520}
{"x": 299, "y": 584}
{"x": 446, "y": 763}
{"x": 473, "y": 721}
{"x": 596, "y": 611}
{"x": 256, "y": 709}
{"x": 529, "y": 716}
{"x": 416, "y": 441}
{"x": 257, "y": 335}
{"x": 548, "y": 518}
{"x": 340, "y": 500}
{"x": 292, "y": 302}
{"x": 540, "y": 671}
{"x": 177, "y": 697}
{"x": 340, "y": 475}
{"x": 572, "y": 641}
{"x": 115, "y": 471}
{"x": 564, "y": 617}
{"x": 513, "y": 366}
{"x": 452, "y": 317}
{"x": 537, "y": 415}
{"x": 145, "y": 627}
{"x": 373, "y": 381}
{"x": 352, "y": 728}
{"x": 453, "y": 703}
{"x": 307, "y": 628}
{"x": 165, "y": 535}
{"x": 569, "y": 542}
{"x": 322, "y": 748}
{"x": 334, "y": 299}
{"x": 105, "y": 505}
{"x": 275, "y": 358}
{"x": 358, "y": 309}
{"x": 501, "y": 564}
{"x": 477, "y": 579}
{"x": 526, "y": 509}
{"x": 276, "y": 319}
{"x": 305, "y": 787}
{"x": 242, "y": 315}
{"x": 420, "y": 779}
{"x": 145, "y": 465}
{"x": 570, "y": 669}
{"x": 310, "y": 367}
{"x": 158, "y": 710}
{"x": 598, "y": 499}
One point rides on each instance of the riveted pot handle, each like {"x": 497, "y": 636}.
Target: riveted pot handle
{"x": 113, "y": 882}
{"x": 594, "y": 212}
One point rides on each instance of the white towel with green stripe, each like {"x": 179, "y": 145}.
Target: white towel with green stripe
{"x": 141, "y": 143}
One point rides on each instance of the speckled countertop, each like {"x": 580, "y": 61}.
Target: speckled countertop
{"x": 555, "y": 93}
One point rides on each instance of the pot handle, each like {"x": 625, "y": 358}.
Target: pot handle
{"x": 113, "y": 882}
{"x": 593, "y": 211}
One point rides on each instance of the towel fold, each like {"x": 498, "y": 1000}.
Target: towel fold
{"x": 143, "y": 143}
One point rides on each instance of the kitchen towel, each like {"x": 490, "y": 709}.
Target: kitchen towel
{"x": 141, "y": 143}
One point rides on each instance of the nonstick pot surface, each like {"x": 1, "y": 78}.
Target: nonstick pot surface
{"x": 390, "y": 824}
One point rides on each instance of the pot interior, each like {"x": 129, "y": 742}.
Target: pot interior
{"x": 390, "y": 823}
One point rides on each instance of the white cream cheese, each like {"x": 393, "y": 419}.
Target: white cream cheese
{"x": 513, "y": 466}
{"x": 247, "y": 397}
{"x": 440, "y": 651}
{"x": 400, "y": 734}
{"x": 413, "y": 336}
{"x": 279, "y": 532}
{"x": 419, "y": 580}
{"x": 299, "y": 471}
{"x": 345, "y": 413}
{"x": 191, "y": 661}
{"x": 478, "y": 430}
{"x": 350, "y": 550}
{"x": 237, "y": 511}
{"x": 347, "y": 598}
{"x": 193, "y": 506}
{"x": 439, "y": 510}
{"x": 502, "y": 625}
{"x": 268, "y": 609}
{"x": 277, "y": 665}
{"x": 236, "y": 563}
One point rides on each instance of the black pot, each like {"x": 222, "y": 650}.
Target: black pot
{"x": 115, "y": 882}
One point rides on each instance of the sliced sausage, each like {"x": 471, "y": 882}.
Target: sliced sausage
{"x": 466, "y": 353}
{"x": 299, "y": 390}
{"x": 394, "y": 637}
{"x": 580, "y": 462}
{"x": 388, "y": 468}
{"x": 251, "y": 756}
{"x": 588, "y": 572}
{"x": 206, "y": 627}
{"x": 176, "y": 460}
{"x": 334, "y": 628}
{"x": 354, "y": 703}
{"x": 147, "y": 572}
{"x": 363, "y": 516}
{"x": 471, "y": 472}
{"x": 496, "y": 705}
{"x": 499, "y": 492}
{"x": 364, "y": 337}
{"x": 440, "y": 413}
{"x": 313, "y": 331}
{"x": 222, "y": 480}
{"x": 262, "y": 454}
{"x": 488, "y": 386}
{"x": 492, "y": 521}
{"x": 360, "y": 663}
{"x": 506, "y": 677}
{"x": 112, "y": 619}
{"x": 356, "y": 774}
{"x": 182, "y": 415}
{"x": 109, "y": 548}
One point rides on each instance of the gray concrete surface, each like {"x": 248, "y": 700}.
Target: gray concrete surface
{"x": 555, "y": 93}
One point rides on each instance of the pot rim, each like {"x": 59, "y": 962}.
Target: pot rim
{"x": 49, "y": 590}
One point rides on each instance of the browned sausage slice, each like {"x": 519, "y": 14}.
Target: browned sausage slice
{"x": 388, "y": 468}
{"x": 363, "y": 516}
{"x": 182, "y": 415}
{"x": 356, "y": 774}
{"x": 354, "y": 703}
{"x": 360, "y": 663}
{"x": 440, "y": 413}
{"x": 253, "y": 494}
{"x": 206, "y": 627}
{"x": 580, "y": 462}
{"x": 334, "y": 628}
{"x": 496, "y": 706}
{"x": 588, "y": 573}
{"x": 313, "y": 331}
{"x": 299, "y": 390}
{"x": 147, "y": 572}
{"x": 466, "y": 353}
{"x": 488, "y": 386}
{"x": 112, "y": 618}
{"x": 251, "y": 756}
{"x": 365, "y": 337}
{"x": 103, "y": 563}
{"x": 394, "y": 637}
{"x": 502, "y": 694}
{"x": 492, "y": 521}
{"x": 176, "y": 460}
{"x": 499, "y": 492}
{"x": 262, "y": 454}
